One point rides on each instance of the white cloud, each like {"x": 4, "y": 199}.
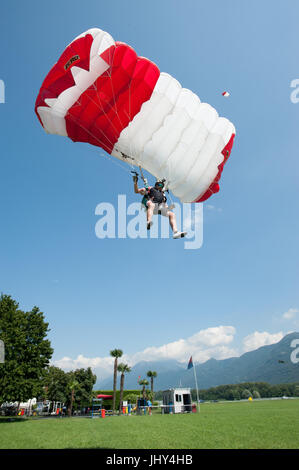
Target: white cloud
{"x": 257, "y": 339}
{"x": 291, "y": 314}
{"x": 203, "y": 345}
{"x": 103, "y": 364}
{"x": 213, "y": 336}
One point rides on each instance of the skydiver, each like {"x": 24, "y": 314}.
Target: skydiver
{"x": 154, "y": 200}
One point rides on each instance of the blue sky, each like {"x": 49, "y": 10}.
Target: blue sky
{"x": 136, "y": 294}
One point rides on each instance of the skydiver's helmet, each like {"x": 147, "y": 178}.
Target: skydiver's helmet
{"x": 159, "y": 184}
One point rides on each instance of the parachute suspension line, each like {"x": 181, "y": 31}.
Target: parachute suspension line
{"x": 100, "y": 153}
{"x": 109, "y": 73}
{"x": 94, "y": 136}
{"x": 130, "y": 144}
{"x": 130, "y": 120}
{"x": 113, "y": 94}
{"x": 113, "y": 105}
{"x": 115, "y": 108}
{"x": 76, "y": 121}
{"x": 142, "y": 177}
{"x": 106, "y": 115}
{"x": 103, "y": 111}
{"x": 87, "y": 130}
{"x": 123, "y": 155}
{"x": 129, "y": 157}
{"x": 168, "y": 192}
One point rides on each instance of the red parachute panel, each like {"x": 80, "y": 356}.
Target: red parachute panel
{"x": 60, "y": 77}
{"x": 214, "y": 186}
{"x": 108, "y": 106}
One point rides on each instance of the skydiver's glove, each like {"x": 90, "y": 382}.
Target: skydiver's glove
{"x": 135, "y": 179}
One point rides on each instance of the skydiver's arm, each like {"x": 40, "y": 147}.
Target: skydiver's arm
{"x": 139, "y": 190}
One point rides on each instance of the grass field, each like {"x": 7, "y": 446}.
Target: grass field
{"x": 240, "y": 425}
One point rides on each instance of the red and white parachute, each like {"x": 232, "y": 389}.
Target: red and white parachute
{"x": 102, "y": 93}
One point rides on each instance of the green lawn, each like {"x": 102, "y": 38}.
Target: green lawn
{"x": 240, "y": 425}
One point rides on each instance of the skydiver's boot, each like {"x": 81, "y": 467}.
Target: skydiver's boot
{"x": 179, "y": 235}
{"x": 149, "y": 224}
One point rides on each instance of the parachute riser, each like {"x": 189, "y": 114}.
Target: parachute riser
{"x": 143, "y": 178}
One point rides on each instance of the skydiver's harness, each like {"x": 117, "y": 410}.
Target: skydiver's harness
{"x": 149, "y": 191}
{"x": 153, "y": 194}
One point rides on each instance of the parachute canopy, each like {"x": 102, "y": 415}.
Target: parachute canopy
{"x": 102, "y": 93}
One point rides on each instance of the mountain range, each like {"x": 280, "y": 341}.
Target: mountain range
{"x": 273, "y": 364}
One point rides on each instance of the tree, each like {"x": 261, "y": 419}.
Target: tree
{"x": 86, "y": 380}
{"x": 116, "y": 353}
{"x": 124, "y": 369}
{"x": 72, "y": 386}
{"x": 246, "y": 393}
{"x": 236, "y": 393}
{"x": 80, "y": 385}
{"x": 143, "y": 382}
{"x": 152, "y": 375}
{"x": 27, "y": 351}
{"x": 132, "y": 397}
{"x": 56, "y": 382}
{"x": 256, "y": 394}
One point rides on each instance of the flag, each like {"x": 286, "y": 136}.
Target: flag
{"x": 138, "y": 378}
{"x": 190, "y": 363}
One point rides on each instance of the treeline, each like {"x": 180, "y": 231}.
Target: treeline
{"x": 243, "y": 391}
{"x": 26, "y": 372}
{"x": 248, "y": 389}
{"x": 74, "y": 388}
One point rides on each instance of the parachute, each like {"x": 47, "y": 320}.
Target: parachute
{"x": 101, "y": 92}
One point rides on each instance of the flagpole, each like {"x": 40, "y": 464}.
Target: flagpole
{"x": 196, "y": 385}
{"x": 191, "y": 364}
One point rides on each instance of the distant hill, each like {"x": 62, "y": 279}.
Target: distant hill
{"x": 270, "y": 364}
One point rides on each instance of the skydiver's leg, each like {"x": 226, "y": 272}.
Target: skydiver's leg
{"x": 149, "y": 213}
{"x": 163, "y": 210}
{"x": 172, "y": 221}
{"x": 173, "y": 224}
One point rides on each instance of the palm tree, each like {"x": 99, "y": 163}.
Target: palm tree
{"x": 143, "y": 382}
{"x": 72, "y": 386}
{"x": 123, "y": 368}
{"x": 152, "y": 374}
{"x": 116, "y": 353}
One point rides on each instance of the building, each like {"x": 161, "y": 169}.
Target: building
{"x": 177, "y": 400}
